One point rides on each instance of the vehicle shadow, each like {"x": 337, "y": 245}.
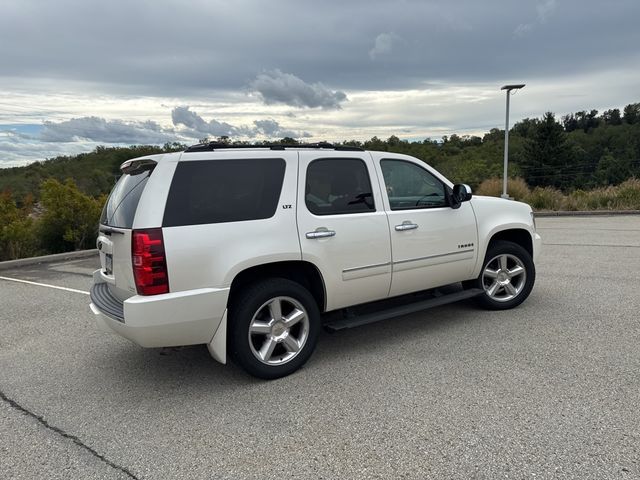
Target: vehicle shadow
{"x": 173, "y": 369}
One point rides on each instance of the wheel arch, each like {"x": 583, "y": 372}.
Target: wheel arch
{"x": 299, "y": 271}
{"x": 519, "y": 236}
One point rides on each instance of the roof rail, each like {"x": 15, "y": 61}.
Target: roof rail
{"x": 208, "y": 147}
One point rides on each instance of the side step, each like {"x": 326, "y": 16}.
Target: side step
{"x": 359, "y": 320}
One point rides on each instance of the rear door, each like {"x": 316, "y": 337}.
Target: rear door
{"x": 342, "y": 225}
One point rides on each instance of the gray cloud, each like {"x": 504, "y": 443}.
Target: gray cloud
{"x": 184, "y": 116}
{"x": 272, "y": 129}
{"x": 108, "y": 131}
{"x": 199, "y": 127}
{"x": 279, "y": 87}
{"x": 465, "y": 40}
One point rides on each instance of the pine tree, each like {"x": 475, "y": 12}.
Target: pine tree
{"x": 547, "y": 155}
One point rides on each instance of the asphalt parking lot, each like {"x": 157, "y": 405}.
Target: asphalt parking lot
{"x": 548, "y": 390}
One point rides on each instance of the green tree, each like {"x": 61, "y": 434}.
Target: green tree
{"x": 70, "y": 218}
{"x": 547, "y": 158}
{"x": 613, "y": 170}
{"x": 612, "y": 117}
{"x": 632, "y": 113}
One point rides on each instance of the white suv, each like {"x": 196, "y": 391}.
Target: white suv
{"x": 252, "y": 250}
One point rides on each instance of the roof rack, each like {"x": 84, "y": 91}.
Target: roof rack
{"x": 208, "y": 147}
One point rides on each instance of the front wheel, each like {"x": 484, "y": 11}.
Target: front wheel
{"x": 274, "y": 328}
{"x": 507, "y": 276}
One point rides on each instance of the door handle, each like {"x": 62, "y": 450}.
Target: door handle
{"x": 406, "y": 226}
{"x": 320, "y": 234}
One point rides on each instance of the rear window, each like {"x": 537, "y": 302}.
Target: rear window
{"x": 123, "y": 201}
{"x": 218, "y": 191}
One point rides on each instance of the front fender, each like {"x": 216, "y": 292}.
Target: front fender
{"x": 495, "y": 215}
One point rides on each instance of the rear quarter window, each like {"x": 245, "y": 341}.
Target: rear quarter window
{"x": 219, "y": 191}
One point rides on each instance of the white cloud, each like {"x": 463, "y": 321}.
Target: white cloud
{"x": 523, "y": 29}
{"x": 383, "y": 45}
{"x": 544, "y": 10}
{"x": 279, "y": 87}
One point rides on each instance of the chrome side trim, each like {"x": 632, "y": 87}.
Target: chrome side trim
{"x": 355, "y": 269}
{"x": 399, "y": 262}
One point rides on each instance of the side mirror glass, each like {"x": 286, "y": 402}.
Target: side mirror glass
{"x": 461, "y": 193}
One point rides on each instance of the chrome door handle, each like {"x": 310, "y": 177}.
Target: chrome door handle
{"x": 320, "y": 234}
{"x": 406, "y": 226}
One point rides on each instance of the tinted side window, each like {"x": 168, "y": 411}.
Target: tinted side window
{"x": 123, "y": 200}
{"x": 338, "y": 186}
{"x": 217, "y": 191}
{"x": 409, "y": 186}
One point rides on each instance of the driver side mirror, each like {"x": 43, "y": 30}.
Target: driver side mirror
{"x": 461, "y": 193}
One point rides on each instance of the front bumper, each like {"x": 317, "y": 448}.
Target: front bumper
{"x": 171, "y": 319}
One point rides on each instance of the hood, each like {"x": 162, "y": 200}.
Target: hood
{"x": 483, "y": 201}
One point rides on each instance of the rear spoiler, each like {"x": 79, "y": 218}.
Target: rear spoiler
{"x": 138, "y": 165}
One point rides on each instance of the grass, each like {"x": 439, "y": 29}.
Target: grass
{"x": 625, "y": 196}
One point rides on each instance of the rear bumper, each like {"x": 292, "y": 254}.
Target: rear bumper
{"x": 171, "y": 319}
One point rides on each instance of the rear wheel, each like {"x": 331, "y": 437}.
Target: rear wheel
{"x": 274, "y": 328}
{"x": 507, "y": 276}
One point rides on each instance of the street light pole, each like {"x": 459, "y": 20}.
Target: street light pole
{"x": 508, "y": 88}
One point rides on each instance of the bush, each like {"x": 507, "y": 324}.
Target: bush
{"x": 516, "y": 187}
{"x": 18, "y": 240}
{"x": 547, "y": 198}
{"x": 17, "y": 235}
{"x": 629, "y": 194}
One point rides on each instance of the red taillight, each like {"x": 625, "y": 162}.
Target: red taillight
{"x": 149, "y": 262}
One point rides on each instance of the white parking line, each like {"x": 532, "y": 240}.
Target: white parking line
{"x": 44, "y": 285}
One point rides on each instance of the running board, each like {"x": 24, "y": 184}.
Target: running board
{"x": 359, "y": 320}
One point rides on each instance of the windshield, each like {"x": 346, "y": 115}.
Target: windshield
{"x": 120, "y": 208}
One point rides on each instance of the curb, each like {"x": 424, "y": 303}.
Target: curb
{"x": 23, "y": 262}
{"x": 587, "y": 213}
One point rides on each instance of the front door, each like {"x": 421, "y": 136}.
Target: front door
{"x": 433, "y": 244}
{"x": 343, "y": 227}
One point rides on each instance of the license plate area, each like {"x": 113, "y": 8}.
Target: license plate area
{"x": 108, "y": 263}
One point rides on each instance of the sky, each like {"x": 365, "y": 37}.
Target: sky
{"x": 75, "y": 74}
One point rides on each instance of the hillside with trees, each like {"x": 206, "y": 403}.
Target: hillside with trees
{"x": 584, "y": 160}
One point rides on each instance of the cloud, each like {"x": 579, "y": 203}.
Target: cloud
{"x": 184, "y": 116}
{"x": 544, "y": 9}
{"x": 383, "y": 45}
{"x": 108, "y": 131}
{"x": 16, "y": 151}
{"x": 199, "y": 127}
{"x": 271, "y": 128}
{"x": 279, "y": 87}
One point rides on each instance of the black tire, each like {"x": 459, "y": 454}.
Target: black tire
{"x": 502, "y": 298}
{"x": 253, "y": 306}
